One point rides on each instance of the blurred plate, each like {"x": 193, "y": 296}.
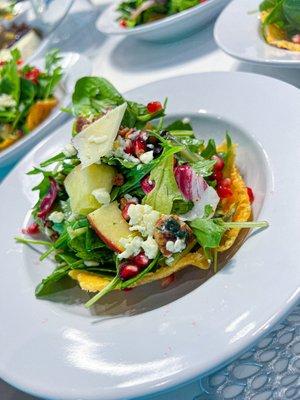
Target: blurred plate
{"x": 147, "y": 340}
{"x": 237, "y": 32}
{"x": 74, "y": 66}
{"x": 170, "y": 28}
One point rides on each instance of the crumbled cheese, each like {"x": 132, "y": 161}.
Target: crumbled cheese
{"x": 177, "y": 246}
{"x": 118, "y": 151}
{"x": 146, "y": 157}
{"x": 134, "y": 135}
{"x": 69, "y": 150}
{"x": 7, "y": 101}
{"x": 186, "y": 120}
{"x": 90, "y": 263}
{"x": 101, "y": 195}
{"x": 128, "y": 197}
{"x": 150, "y": 247}
{"x": 132, "y": 246}
{"x": 57, "y": 217}
{"x": 142, "y": 218}
{"x": 97, "y": 140}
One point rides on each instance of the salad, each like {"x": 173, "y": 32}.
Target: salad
{"x": 26, "y": 94}
{"x": 281, "y": 23}
{"x": 132, "y": 199}
{"x": 138, "y": 12}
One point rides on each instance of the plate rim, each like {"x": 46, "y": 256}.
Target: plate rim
{"x": 181, "y": 377}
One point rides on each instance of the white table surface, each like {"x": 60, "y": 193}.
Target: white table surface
{"x": 129, "y": 63}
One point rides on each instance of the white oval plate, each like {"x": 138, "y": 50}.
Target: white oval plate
{"x": 139, "y": 342}
{"x": 169, "y": 28}
{"x": 237, "y": 32}
{"x": 74, "y": 66}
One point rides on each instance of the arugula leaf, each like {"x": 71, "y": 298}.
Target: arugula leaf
{"x": 179, "y": 125}
{"x": 165, "y": 191}
{"x": 210, "y": 149}
{"x": 55, "y": 282}
{"x": 208, "y": 233}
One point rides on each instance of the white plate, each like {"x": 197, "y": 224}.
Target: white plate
{"x": 74, "y": 66}
{"x": 169, "y": 28}
{"x": 147, "y": 340}
{"x": 237, "y": 32}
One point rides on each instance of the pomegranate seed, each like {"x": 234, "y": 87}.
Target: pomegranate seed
{"x": 226, "y": 182}
{"x": 219, "y": 165}
{"x": 224, "y": 191}
{"x": 32, "y": 229}
{"x": 128, "y": 289}
{"x": 147, "y": 185}
{"x": 140, "y": 146}
{"x": 123, "y": 23}
{"x": 33, "y": 75}
{"x": 154, "y": 107}
{"x": 250, "y": 194}
{"x": 20, "y": 62}
{"x": 141, "y": 260}
{"x": 127, "y": 271}
{"x": 129, "y": 148}
{"x": 296, "y": 38}
{"x": 167, "y": 281}
{"x": 217, "y": 176}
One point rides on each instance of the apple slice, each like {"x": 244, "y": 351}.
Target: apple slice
{"x": 81, "y": 182}
{"x": 110, "y": 226}
{"x": 97, "y": 139}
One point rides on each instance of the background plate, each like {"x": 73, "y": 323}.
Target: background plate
{"x": 169, "y": 28}
{"x": 237, "y": 32}
{"x": 74, "y": 66}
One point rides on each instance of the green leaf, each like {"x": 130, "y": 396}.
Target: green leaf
{"x": 179, "y": 125}
{"x": 203, "y": 167}
{"x": 166, "y": 191}
{"x": 136, "y": 174}
{"x": 208, "y": 233}
{"x": 210, "y": 149}
{"x": 53, "y": 283}
{"x": 182, "y": 207}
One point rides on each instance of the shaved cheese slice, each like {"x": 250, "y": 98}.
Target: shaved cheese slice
{"x": 97, "y": 139}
